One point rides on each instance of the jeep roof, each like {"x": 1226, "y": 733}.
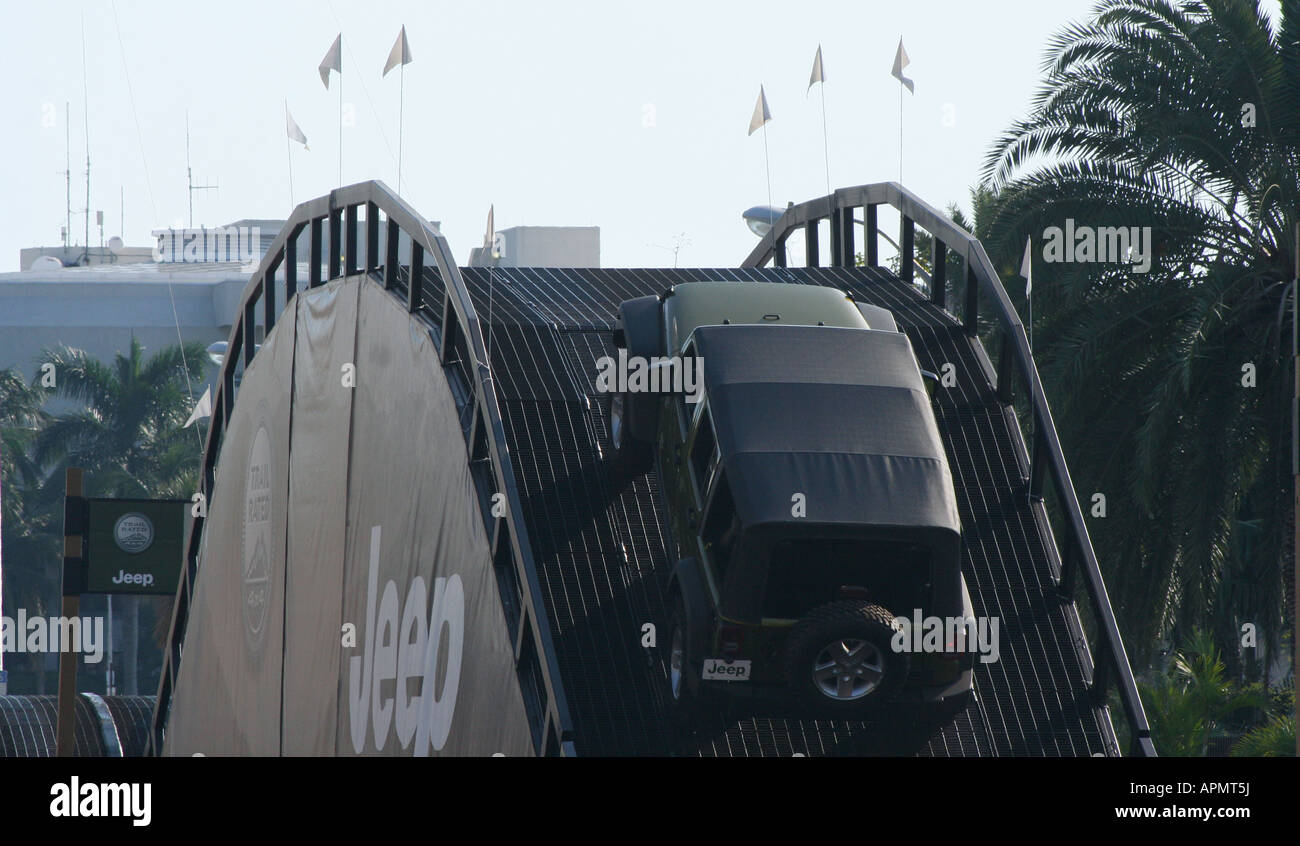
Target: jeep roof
{"x": 696, "y": 304}
{"x": 840, "y": 415}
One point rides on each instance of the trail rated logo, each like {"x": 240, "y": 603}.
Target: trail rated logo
{"x": 257, "y": 538}
{"x": 133, "y": 532}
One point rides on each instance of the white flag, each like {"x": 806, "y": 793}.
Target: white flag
{"x": 761, "y": 113}
{"x": 818, "y": 75}
{"x": 400, "y": 54}
{"x": 333, "y": 61}
{"x": 1027, "y": 265}
{"x": 490, "y": 236}
{"x": 291, "y": 126}
{"x": 901, "y": 61}
{"x": 202, "y": 408}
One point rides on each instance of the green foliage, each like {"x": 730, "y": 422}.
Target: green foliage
{"x": 1193, "y": 698}
{"x": 1142, "y": 120}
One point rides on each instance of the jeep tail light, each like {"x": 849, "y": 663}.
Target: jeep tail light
{"x": 730, "y": 638}
{"x": 852, "y": 592}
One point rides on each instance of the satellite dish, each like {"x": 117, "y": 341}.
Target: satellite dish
{"x": 46, "y": 263}
{"x": 115, "y": 245}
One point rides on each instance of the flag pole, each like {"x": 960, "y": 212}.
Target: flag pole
{"x": 825, "y": 145}
{"x": 340, "y": 128}
{"x": 767, "y": 166}
{"x": 401, "y": 109}
{"x": 900, "y": 135}
{"x": 288, "y": 148}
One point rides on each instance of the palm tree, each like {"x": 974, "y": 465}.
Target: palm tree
{"x": 128, "y": 437}
{"x": 1171, "y": 388}
{"x": 29, "y": 507}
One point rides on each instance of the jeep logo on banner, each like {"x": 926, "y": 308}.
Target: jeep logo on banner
{"x": 134, "y": 545}
{"x": 133, "y": 532}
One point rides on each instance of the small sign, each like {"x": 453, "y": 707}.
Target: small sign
{"x": 134, "y": 545}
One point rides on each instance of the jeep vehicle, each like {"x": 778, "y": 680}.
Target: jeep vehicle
{"x": 807, "y": 496}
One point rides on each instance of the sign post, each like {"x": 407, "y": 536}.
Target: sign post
{"x": 74, "y": 577}
{"x": 112, "y": 546}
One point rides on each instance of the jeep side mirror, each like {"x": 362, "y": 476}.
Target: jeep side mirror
{"x": 931, "y": 382}
{"x": 620, "y": 339}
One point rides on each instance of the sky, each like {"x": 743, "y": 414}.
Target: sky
{"x": 629, "y": 116}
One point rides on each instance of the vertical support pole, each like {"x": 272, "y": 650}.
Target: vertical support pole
{"x": 837, "y": 234}
{"x": 372, "y": 237}
{"x": 350, "y": 263}
{"x": 1037, "y": 464}
{"x": 939, "y": 274}
{"x": 290, "y": 270}
{"x": 970, "y": 318}
{"x": 778, "y": 253}
{"x": 74, "y": 583}
{"x": 1006, "y": 370}
{"x": 846, "y": 237}
{"x": 390, "y": 255}
{"x": 1069, "y": 565}
{"x": 336, "y": 243}
{"x": 250, "y": 330}
{"x": 870, "y": 237}
{"x": 268, "y": 300}
{"x": 810, "y": 244}
{"x": 313, "y": 267}
{"x": 906, "y": 246}
{"x": 413, "y": 288}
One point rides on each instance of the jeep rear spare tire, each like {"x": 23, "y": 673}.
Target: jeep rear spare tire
{"x": 631, "y": 458}
{"x": 840, "y": 659}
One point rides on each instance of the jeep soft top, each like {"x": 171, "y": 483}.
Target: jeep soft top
{"x": 841, "y": 415}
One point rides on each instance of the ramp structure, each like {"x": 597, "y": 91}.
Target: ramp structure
{"x": 473, "y": 437}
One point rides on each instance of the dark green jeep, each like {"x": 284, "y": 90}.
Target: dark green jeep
{"x": 807, "y": 495}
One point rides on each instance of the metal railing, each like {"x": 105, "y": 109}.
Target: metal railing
{"x": 1015, "y": 363}
{"x": 429, "y": 281}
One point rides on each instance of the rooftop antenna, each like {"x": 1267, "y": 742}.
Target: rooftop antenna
{"x": 85, "y": 90}
{"x": 189, "y": 171}
{"x": 67, "y": 172}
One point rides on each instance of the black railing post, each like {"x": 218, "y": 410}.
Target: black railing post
{"x": 907, "y": 251}
{"x": 1006, "y": 367}
{"x": 1038, "y": 460}
{"x": 778, "y": 252}
{"x": 846, "y": 239}
{"x": 391, "y": 258}
{"x": 1101, "y": 676}
{"x": 810, "y": 244}
{"x": 837, "y": 236}
{"x": 939, "y": 273}
{"x": 372, "y": 237}
{"x": 1069, "y": 566}
{"x": 290, "y": 269}
{"x": 350, "y": 263}
{"x": 268, "y": 300}
{"x": 313, "y": 268}
{"x": 871, "y": 236}
{"x": 970, "y": 319}
{"x": 336, "y": 243}
{"x": 250, "y": 330}
{"x": 413, "y": 286}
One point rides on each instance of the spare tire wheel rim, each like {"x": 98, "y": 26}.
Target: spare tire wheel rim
{"x": 616, "y": 420}
{"x": 848, "y": 669}
{"x": 675, "y": 662}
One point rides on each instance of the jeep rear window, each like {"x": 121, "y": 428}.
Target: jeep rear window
{"x": 806, "y": 573}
